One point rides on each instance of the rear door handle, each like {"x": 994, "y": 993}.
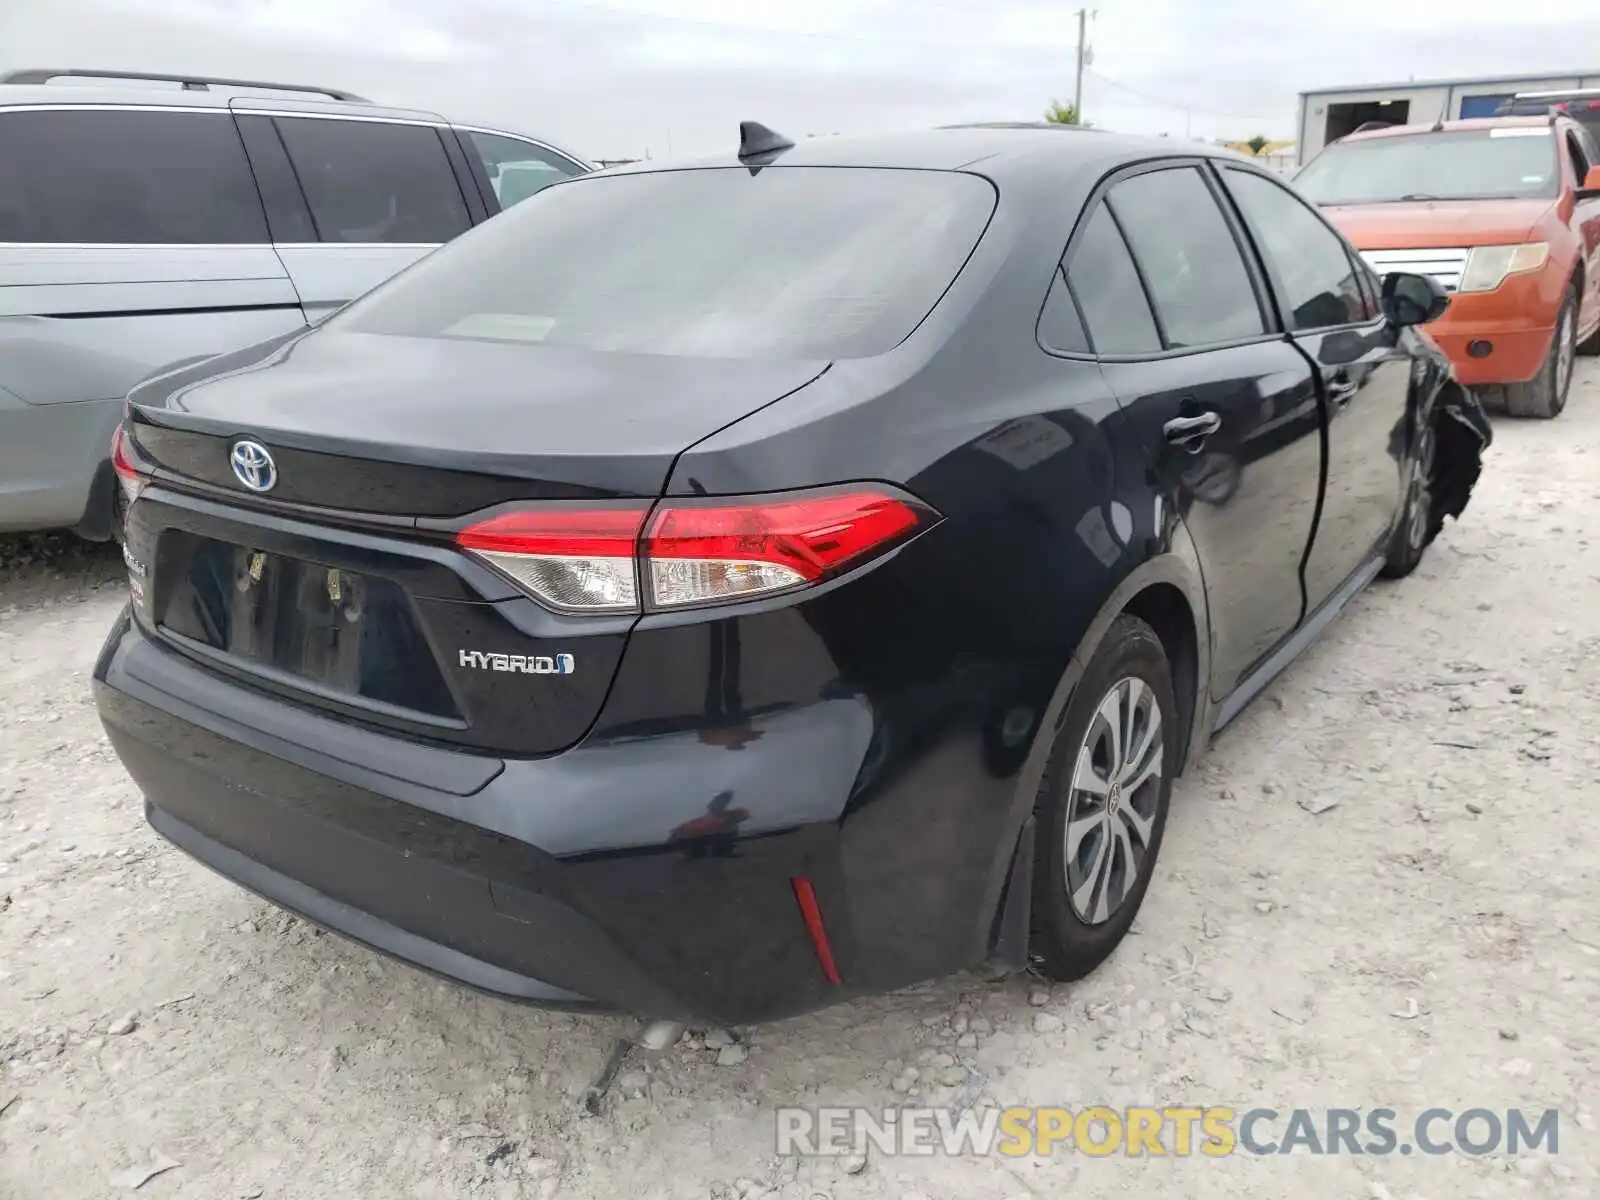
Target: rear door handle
{"x": 1191, "y": 432}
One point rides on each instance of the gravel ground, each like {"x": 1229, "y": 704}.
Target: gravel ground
{"x": 1430, "y": 940}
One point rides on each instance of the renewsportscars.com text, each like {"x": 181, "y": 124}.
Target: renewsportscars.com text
{"x": 1211, "y": 1131}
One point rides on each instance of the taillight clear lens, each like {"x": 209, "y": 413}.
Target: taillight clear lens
{"x": 590, "y": 560}
{"x": 131, "y": 479}
{"x": 574, "y": 560}
{"x": 705, "y": 553}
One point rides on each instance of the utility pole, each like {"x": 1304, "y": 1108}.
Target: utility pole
{"x": 1083, "y": 43}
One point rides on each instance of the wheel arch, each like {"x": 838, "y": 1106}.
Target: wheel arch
{"x": 1168, "y": 593}
{"x": 1166, "y": 609}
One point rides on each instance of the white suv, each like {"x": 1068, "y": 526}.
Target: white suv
{"x": 147, "y": 226}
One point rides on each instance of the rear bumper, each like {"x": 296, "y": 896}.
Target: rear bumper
{"x": 355, "y": 923}
{"x": 406, "y": 849}
{"x": 1516, "y": 320}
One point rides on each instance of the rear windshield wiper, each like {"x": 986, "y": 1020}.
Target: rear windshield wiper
{"x": 1421, "y": 196}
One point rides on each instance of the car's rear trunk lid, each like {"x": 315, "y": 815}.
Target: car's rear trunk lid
{"x": 341, "y": 588}
{"x": 432, "y": 427}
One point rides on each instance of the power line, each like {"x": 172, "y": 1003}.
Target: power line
{"x": 1210, "y": 112}
{"x": 767, "y": 30}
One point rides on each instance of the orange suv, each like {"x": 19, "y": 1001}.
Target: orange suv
{"x": 1505, "y": 214}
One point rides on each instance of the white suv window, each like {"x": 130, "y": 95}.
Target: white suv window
{"x": 373, "y": 181}
{"x": 126, "y": 177}
{"x": 518, "y": 169}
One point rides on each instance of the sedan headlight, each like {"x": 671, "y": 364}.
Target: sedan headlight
{"x": 1488, "y": 266}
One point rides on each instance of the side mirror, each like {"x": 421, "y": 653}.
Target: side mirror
{"x": 1590, "y": 188}
{"x": 1413, "y": 299}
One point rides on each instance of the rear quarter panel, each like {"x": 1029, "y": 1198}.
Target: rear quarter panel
{"x": 961, "y": 646}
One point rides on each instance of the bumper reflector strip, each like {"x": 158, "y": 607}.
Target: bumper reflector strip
{"x": 806, "y": 896}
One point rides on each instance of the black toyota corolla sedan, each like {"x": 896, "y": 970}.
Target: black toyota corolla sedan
{"x": 715, "y": 591}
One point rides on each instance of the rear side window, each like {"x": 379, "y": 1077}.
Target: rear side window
{"x": 1320, "y": 283}
{"x": 1107, "y": 286}
{"x": 372, "y": 182}
{"x": 1060, "y": 327}
{"x": 1191, "y": 263}
{"x": 517, "y": 169}
{"x": 788, "y": 262}
{"x": 126, "y": 177}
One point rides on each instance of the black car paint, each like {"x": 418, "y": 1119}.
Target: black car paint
{"x": 882, "y": 735}
{"x": 398, "y": 405}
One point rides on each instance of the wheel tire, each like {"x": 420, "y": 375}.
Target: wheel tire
{"x": 1416, "y": 528}
{"x": 1066, "y": 943}
{"x": 1545, "y": 395}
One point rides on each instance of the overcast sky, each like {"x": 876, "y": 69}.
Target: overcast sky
{"x": 620, "y": 78}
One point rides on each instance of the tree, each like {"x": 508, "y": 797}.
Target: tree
{"x": 1061, "y": 114}
{"x": 1257, "y": 144}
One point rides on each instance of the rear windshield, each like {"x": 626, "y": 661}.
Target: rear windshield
{"x": 1478, "y": 164}
{"x": 797, "y": 262}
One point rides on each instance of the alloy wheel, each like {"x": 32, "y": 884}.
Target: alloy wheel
{"x": 1115, "y": 791}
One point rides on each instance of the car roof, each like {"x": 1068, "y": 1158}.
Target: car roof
{"x": 996, "y": 149}
{"x": 217, "y": 96}
{"x": 1466, "y": 125}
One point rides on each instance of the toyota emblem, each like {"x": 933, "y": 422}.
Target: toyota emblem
{"x": 253, "y": 466}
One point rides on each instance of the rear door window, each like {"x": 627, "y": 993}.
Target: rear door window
{"x": 375, "y": 182}
{"x": 518, "y": 169}
{"x": 787, "y": 262}
{"x": 126, "y": 177}
{"x": 1320, "y": 282}
{"x": 1190, "y": 261}
{"x": 1106, "y": 284}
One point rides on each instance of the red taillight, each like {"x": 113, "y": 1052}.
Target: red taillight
{"x": 694, "y": 552}
{"x": 699, "y": 554}
{"x": 575, "y": 560}
{"x": 128, "y": 475}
